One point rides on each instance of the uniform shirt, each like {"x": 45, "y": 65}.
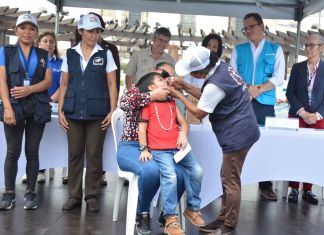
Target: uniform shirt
{"x": 56, "y": 64}
{"x": 142, "y": 62}
{"x": 278, "y": 75}
{"x": 33, "y": 61}
{"x": 111, "y": 66}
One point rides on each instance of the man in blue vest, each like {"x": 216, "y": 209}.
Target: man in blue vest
{"x": 262, "y": 66}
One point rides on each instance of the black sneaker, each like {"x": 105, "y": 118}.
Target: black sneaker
{"x": 30, "y": 201}
{"x": 143, "y": 225}
{"x": 212, "y": 226}
{"x": 8, "y": 201}
{"x": 310, "y": 197}
{"x": 293, "y": 196}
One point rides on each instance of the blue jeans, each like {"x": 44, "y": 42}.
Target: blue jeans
{"x": 148, "y": 173}
{"x": 192, "y": 180}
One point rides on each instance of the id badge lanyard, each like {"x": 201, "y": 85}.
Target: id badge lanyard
{"x": 27, "y": 78}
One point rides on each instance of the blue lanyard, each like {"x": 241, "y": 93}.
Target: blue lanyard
{"x": 26, "y": 62}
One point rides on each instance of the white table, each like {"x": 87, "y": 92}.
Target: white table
{"x": 278, "y": 155}
{"x": 53, "y": 150}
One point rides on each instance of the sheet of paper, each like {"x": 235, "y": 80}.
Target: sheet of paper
{"x": 282, "y": 123}
{"x": 182, "y": 153}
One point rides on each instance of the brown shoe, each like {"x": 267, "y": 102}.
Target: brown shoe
{"x": 92, "y": 205}
{"x": 269, "y": 194}
{"x": 212, "y": 226}
{"x": 71, "y": 204}
{"x": 172, "y": 226}
{"x": 194, "y": 217}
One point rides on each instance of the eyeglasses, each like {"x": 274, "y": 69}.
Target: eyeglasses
{"x": 311, "y": 45}
{"x": 164, "y": 74}
{"x": 249, "y": 27}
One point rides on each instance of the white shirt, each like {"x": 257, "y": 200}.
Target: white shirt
{"x": 210, "y": 98}
{"x": 111, "y": 65}
{"x": 278, "y": 74}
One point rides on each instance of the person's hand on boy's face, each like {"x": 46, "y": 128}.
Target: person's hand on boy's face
{"x": 175, "y": 93}
{"x": 176, "y": 82}
{"x": 160, "y": 93}
{"x": 145, "y": 156}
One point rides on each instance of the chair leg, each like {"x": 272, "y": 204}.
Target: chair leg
{"x": 64, "y": 172}
{"x": 132, "y": 201}
{"x": 284, "y": 189}
{"x": 181, "y": 210}
{"x": 119, "y": 189}
{"x": 51, "y": 173}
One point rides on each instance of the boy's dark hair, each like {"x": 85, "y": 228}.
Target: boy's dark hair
{"x": 162, "y": 31}
{"x": 146, "y": 81}
{"x": 254, "y": 15}
{"x": 213, "y": 58}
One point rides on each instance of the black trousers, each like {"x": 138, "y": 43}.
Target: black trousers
{"x": 261, "y": 112}
{"x": 14, "y": 136}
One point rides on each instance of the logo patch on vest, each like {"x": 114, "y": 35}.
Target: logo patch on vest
{"x": 42, "y": 62}
{"x": 98, "y": 61}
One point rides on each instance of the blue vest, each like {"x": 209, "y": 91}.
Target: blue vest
{"x": 15, "y": 75}
{"x": 264, "y": 68}
{"x": 233, "y": 120}
{"x": 87, "y": 95}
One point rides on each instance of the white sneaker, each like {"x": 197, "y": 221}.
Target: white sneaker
{"x": 24, "y": 179}
{"x": 41, "y": 177}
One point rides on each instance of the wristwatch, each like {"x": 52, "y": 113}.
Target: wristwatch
{"x": 142, "y": 147}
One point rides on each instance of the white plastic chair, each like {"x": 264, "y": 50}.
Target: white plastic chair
{"x": 132, "y": 199}
{"x": 116, "y": 120}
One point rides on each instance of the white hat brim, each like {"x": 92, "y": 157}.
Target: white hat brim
{"x": 181, "y": 69}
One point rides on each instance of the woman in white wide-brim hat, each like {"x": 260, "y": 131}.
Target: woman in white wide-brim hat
{"x": 225, "y": 99}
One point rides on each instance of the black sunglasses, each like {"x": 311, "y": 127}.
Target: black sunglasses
{"x": 164, "y": 74}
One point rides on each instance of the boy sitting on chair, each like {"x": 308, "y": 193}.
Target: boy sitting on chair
{"x": 162, "y": 132}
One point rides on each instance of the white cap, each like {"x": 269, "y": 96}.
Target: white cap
{"x": 89, "y": 22}
{"x": 26, "y": 18}
{"x": 194, "y": 58}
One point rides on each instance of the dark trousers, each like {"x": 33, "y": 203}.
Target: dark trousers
{"x": 261, "y": 112}
{"x": 14, "y": 135}
{"x": 85, "y": 137}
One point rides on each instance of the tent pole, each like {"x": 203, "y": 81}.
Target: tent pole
{"x": 297, "y": 41}
{"x": 59, "y": 8}
{"x": 57, "y": 21}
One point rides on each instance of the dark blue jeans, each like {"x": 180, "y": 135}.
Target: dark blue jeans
{"x": 14, "y": 135}
{"x": 261, "y": 112}
{"x": 148, "y": 173}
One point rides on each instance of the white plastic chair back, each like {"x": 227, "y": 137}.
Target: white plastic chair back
{"x": 116, "y": 124}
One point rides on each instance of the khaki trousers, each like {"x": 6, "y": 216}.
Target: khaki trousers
{"x": 85, "y": 136}
{"x": 231, "y": 182}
